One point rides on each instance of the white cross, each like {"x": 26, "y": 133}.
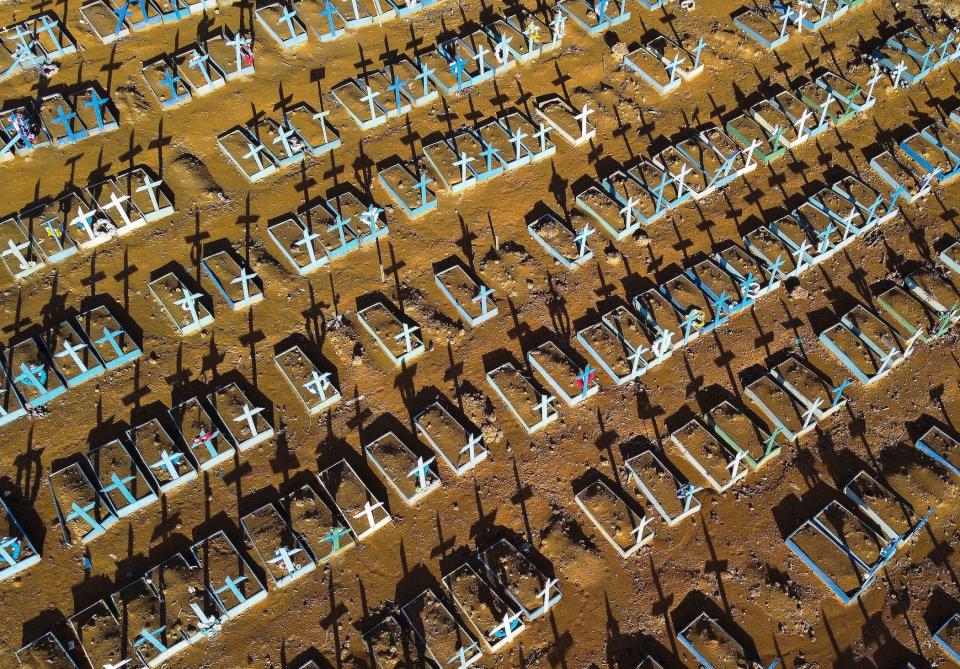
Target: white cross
{"x": 541, "y": 134}
{"x": 321, "y": 117}
{"x": 283, "y": 556}
{"x": 885, "y": 361}
{"x": 638, "y": 530}
{"x": 545, "y": 593}
{"x": 150, "y": 186}
{"x": 801, "y": 14}
{"x": 825, "y": 109}
{"x": 872, "y": 82}
{"x": 898, "y": 72}
{"x": 307, "y": 242}
{"x": 481, "y": 60}
{"x": 118, "y": 665}
{"x": 369, "y": 98}
{"x": 406, "y": 336}
{"x": 370, "y": 217}
{"x": 244, "y": 279}
{"x": 681, "y": 177}
{"x": 189, "y": 303}
{"x": 83, "y": 220}
{"x": 636, "y": 358}
{"x": 117, "y": 203}
{"x": 71, "y": 350}
{"x": 506, "y": 626}
{"x": 582, "y": 117}
{"x": 254, "y": 152}
{"x": 250, "y": 416}
{"x": 663, "y": 342}
{"x": 516, "y": 138}
{"x": 754, "y": 145}
{"x": 543, "y": 406}
{"x": 421, "y": 470}
{"x": 810, "y": 414}
{"x": 502, "y": 50}
{"x": 908, "y": 349}
{"x": 320, "y": 383}
{"x": 473, "y": 441}
{"x": 627, "y": 213}
{"x": 367, "y": 512}
{"x": 16, "y": 250}
{"x": 464, "y": 161}
{"x": 734, "y": 465}
{"x": 801, "y": 124}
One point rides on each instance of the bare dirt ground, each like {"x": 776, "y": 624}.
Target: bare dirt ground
{"x": 730, "y": 558}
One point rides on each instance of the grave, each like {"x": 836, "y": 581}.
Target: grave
{"x": 569, "y": 123}
{"x": 282, "y": 23}
{"x": 596, "y": 17}
{"x": 396, "y": 336}
{"x": 907, "y": 315}
{"x": 17, "y": 552}
{"x": 410, "y": 475}
{"x": 712, "y": 646}
{"x": 312, "y": 128}
{"x": 18, "y": 250}
{"x": 314, "y": 527}
{"x": 32, "y": 374}
{"x": 281, "y": 549}
{"x": 513, "y": 572}
{"x": 409, "y": 188}
{"x": 300, "y": 243}
{"x": 140, "y": 609}
{"x": 469, "y": 296}
{"x": 166, "y": 85}
{"x": 75, "y": 360}
{"x": 710, "y": 456}
{"x": 149, "y": 194}
{"x": 809, "y": 387}
{"x": 313, "y": 386}
{"x": 164, "y": 456}
{"x": 60, "y": 120}
{"x": 571, "y": 249}
{"x": 82, "y": 513}
{"x": 457, "y": 446}
{"x": 941, "y": 447}
{"x": 857, "y": 355}
{"x": 753, "y": 280}
{"x": 122, "y": 483}
{"x": 444, "y": 638}
{"x": 764, "y": 25}
{"x": 645, "y": 206}
{"x": 700, "y": 313}
{"x": 47, "y": 223}
{"x": 785, "y": 412}
{"x": 672, "y": 500}
{"x": 661, "y": 318}
{"x": 232, "y": 582}
{"x": 573, "y": 382}
{"x": 247, "y": 153}
{"x": 637, "y": 334}
{"x": 935, "y": 149}
{"x": 247, "y": 424}
{"x": 452, "y": 164}
{"x": 46, "y": 652}
{"x": 116, "y": 205}
{"x": 887, "y": 510}
{"x": 935, "y": 290}
{"x": 189, "y": 612}
{"x": 947, "y": 637}
{"x": 201, "y": 433}
{"x": 613, "y": 354}
{"x": 615, "y": 518}
{"x": 185, "y": 308}
{"x": 11, "y": 407}
{"x": 233, "y": 51}
{"x": 874, "y": 332}
{"x": 619, "y": 221}
{"x": 492, "y": 619}
{"x": 359, "y": 100}
{"x": 233, "y": 280}
{"x": 902, "y": 174}
{"x": 777, "y": 259}
{"x": 389, "y": 645}
{"x": 198, "y": 69}
{"x": 743, "y": 434}
{"x": 111, "y": 343}
{"x": 101, "y": 639}
{"x": 526, "y": 401}
{"x": 359, "y": 506}
{"x": 951, "y": 257}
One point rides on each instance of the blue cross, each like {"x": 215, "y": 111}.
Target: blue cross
{"x": 66, "y": 120}
{"x": 721, "y": 305}
{"x": 338, "y": 225}
{"x": 396, "y": 86}
{"x": 872, "y": 209}
{"x": 489, "y": 152}
{"x": 658, "y": 190}
{"x": 745, "y": 287}
{"x": 329, "y": 11}
{"x": 774, "y": 269}
{"x": 111, "y": 336}
{"x": 422, "y": 185}
{"x": 121, "y": 15}
{"x": 171, "y": 83}
{"x": 11, "y": 556}
{"x": 35, "y": 376}
{"x": 334, "y": 536}
{"x": 120, "y": 484}
{"x": 585, "y": 377}
{"x": 146, "y": 636}
{"x": 287, "y": 17}
{"x": 837, "y": 392}
{"x": 457, "y": 67}
{"x": 701, "y": 45}
{"x": 688, "y": 320}
{"x": 83, "y": 513}
{"x": 231, "y": 585}
{"x": 96, "y": 102}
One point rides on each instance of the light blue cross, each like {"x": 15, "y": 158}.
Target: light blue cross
{"x": 146, "y": 636}
{"x": 83, "y": 513}
{"x": 230, "y": 584}
{"x": 585, "y": 376}
{"x": 121, "y": 16}
{"x": 120, "y": 485}
{"x": 396, "y": 86}
{"x": 334, "y": 536}
{"x": 35, "y": 376}
{"x": 66, "y": 120}
{"x": 96, "y": 102}
{"x": 112, "y": 336}
{"x": 171, "y": 83}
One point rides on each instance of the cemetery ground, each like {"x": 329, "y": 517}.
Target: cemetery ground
{"x": 728, "y": 559}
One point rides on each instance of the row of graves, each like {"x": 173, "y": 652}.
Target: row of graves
{"x": 664, "y": 63}
{"x": 769, "y": 24}
{"x": 111, "y": 20}
{"x": 199, "y": 69}
{"x": 33, "y": 43}
{"x": 56, "y": 228}
{"x": 40, "y": 368}
{"x": 915, "y": 52}
{"x": 56, "y": 119}
{"x": 268, "y": 144}
{"x": 458, "y": 62}
{"x": 500, "y": 144}
{"x": 487, "y": 603}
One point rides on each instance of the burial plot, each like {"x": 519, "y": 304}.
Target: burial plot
{"x": 279, "y": 548}
{"x": 893, "y": 515}
{"x": 31, "y": 373}
{"x": 902, "y": 174}
{"x": 101, "y": 639}
{"x": 775, "y": 121}
{"x": 23, "y": 132}
{"x": 849, "y": 94}
{"x": 936, "y": 149}
{"x": 520, "y": 127}
{"x": 95, "y": 111}
{"x": 164, "y": 457}
{"x": 619, "y": 221}
{"x": 313, "y": 386}
{"x": 312, "y": 128}
{"x": 60, "y": 120}
{"x": 661, "y": 318}
{"x": 371, "y": 223}
{"x": 452, "y": 164}
{"x": 390, "y": 647}
{"x": 282, "y": 23}
{"x": 359, "y": 100}
{"x": 51, "y": 35}
{"x": 799, "y": 237}
{"x": 567, "y": 247}
{"x": 526, "y": 401}
{"x": 410, "y": 475}
{"x": 941, "y": 447}
{"x": 569, "y": 123}
{"x": 764, "y": 25}
{"x": 712, "y": 646}
{"x": 18, "y": 250}
{"x": 82, "y": 514}
{"x": 184, "y": 307}
{"x": 188, "y": 611}
{"x": 655, "y": 68}
{"x": 300, "y": 243}
{"x": 201, "y": 433}
{"x": 636, "y": 334}
{"x": 948, "y": 637}
{"x": 806, "y": 121}
{"x": 167, "y": 86}
{"x": 233, "y": 584}
{"x": 611, "y": 353}
{"x": 314, "y": 527}
{"x": 807, "y": 386}
{"x": 752, "y": 279}
{"x": 907, "y": 315}
{"x": 596, "y": 17}
{"x": 822, "y": 103}
{"x": 283, "y": 140}
{"x": 722, "y": 289}
{"x": 141, "y": 617}
{"x": 700, "y": 316}
{"x": 444, "y": 638}
{"x": 823, "y": 543}
{"x": 47, "y": 224}
{"x": 116, "y": 205}
{"x": 121, "y": 481}
{"x": 873, "y": 331}
{"x": 246, "y": 423}
{"x": 75, "y": 360}
{"x": 398, "y": 339}
{"x": 721, "y": 466}
{"x": 201, "y": 73}
{"x": 359, "y": 506}
{"x": 788, "y": 414}
{"x": 738, "y": 431}
{"x": 493, "y": 620}
{"x": 47, "y": 652}
{"x": 777, "y": 259}
{"x": 461, "y": 449}
{"x": 646, "y": 207}
{"x": 247, "y": 153}
{"x": 715, "y": 158}
{"x": 17, "y": 552}
{"x": 92, "y": 227}
{"x": 232, "y": 51}
{"x": 326, "y": 22}
{"x": 857, "y": 355}
{"x": 395, "y": 98}
{"x": 870, "y": 203}
{"x": 517, "y": 576}
{"x": 409, "y": 188}
{"x": 235, "y": 282}
{"x": 614, "y": 518}
{"x": 470, "y": 297}
{"x": 570, "y": 381}
{"x": 112, "y": 344}
{"x": 934, "y": 290}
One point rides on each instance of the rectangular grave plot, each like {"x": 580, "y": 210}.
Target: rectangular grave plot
{"x": 941, "y": 447}
{"x": 247, "y": 154}
{"x": 441, "y": 633}
{"x": 527, "y": 402}
{"x": 289, "y": 32}
{"x": 82, "y": 513}
{"x": 807, "y": 386}
{"x": 709, "y": 277}
{"x": 561, "y": 117}
{"x": 355, "y": 501}
{"x": 467, "y": 141}
{"x": 35, "y": 379}
{"x": 832, "y": 563}
{"x": 98, "y": 631}
{"x": 51, "y": 35}
{"x": 390, "y": 647}
{"x": 897, "y": 170}
{"x": 517, "y": 122}
{"x": 201, "y": 433}
{"x": 650, "y": 66}
{"x": 315, "y": 525}
{"x": 443, "y": 160}
{"x": 116, "y": 206}
{"x": 354, "y": 12}
{"x": 121, "y": 480}
{"x": 892, "y": 514}
{"x": 559, "y": 241}
{"x": 74, "y": 358}
{"x": 17, "y": 552}
{"x": 461, "y": 289}
{"x": 856, "y": 355}
{"x": 60, "y": 120}
{"x": 225, "y": 273}
{"x": 707, "y": 161}
{"x": 164, "y": 82}
{"x": 333, "y": 237}
{"x": 879, "y": 336}
{"x": 625, "y": 188}
{"x": 906, "y": 314}
{"x": 449, "y": 439}
{"x": 665, "y": 190}
{"x": 686, "y": 297}
{"x": 934, "y": 290}
{"x": 312, "y": 385}
{"x": 200, "y": 72}
{"x": 769, "y": 250}
{"x": 584, "y": 13}
{"x": 482, "y": 606}
{"x": 188, "y": 608}
{"x": 233, "y": 585}
{"x": 519, "y": 578}
{"x": 948, "y": 637}
{"x": 742, "y": 433}
{"x": 610, "y": 352}
{"x": 95, "y": 110}
{"x": 326, "y": 27}
{"x": 712, "y": 646}
{"x": 184, "y": 308}
{"x": 762, "y": 25}
{"x": 246, "y": 423}
{"x": 608, "y": 212}
{"x": 140, "y": 612}
{"x": 419, "y": 87}
{"x": 769, "y": 116}
{"x": 512, "y": 154}
{"x": 299, "y": 244}
{"x": 367, "y": 113}
{"x": 318, "y": 134}
{"x": 562, "y": 375}
{"x": 282, "y": 552}
{"x": 45, "y": 653}
{"x": 659, "y": 315}
{"x": 18, "y": 250}
{"x": 398, "y": 464}
{"x": 672, "y": 161}
{"x": 380, "y": 81}
{"x": 742, "y": 266}
{"x": 48, "y": 225}
{"x": 851, "y": 532}
{"x": 614, "y": 518}
{"x": 796, "y": 232}
{"x": 709, "y": 455}
{"x": 271, "y": 134}
{"x": 403, "y": 184}
{"x": 866, "y": 198}
{"x": 779, "y": 406}
{"x": 163, "y": 456}
{"x": 387, "y": 330}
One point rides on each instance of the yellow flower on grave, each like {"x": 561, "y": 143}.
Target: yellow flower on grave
{"x": 533, "y": 32}
{"x": 53, "y": 233}
{"x": 699, "y": 319}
